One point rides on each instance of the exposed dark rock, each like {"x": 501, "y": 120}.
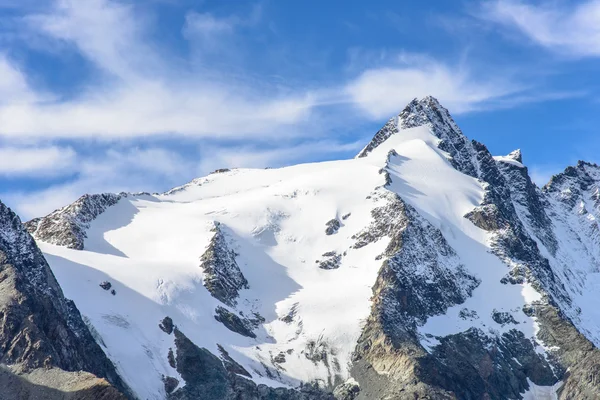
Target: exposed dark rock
{"x": 231, "y": 365}
{"x": 41, "y": 332}
{"x": 347, "y": 391}
{"x": 572, "y": 351}
{"x": 68, "y": 225}
{"x": 166, "y": 325}
{"x": 207, "y": 378}
{"x": 503, "y": 318}
{"x": 106, "y": 285}
{"x": 170, "y": 384}
{"x": 234, "y": 323}
{"x": 55, "y": 384}
{"x": 171, "y": 359}
{"x": 204, "y": 375}
{"x": 512, "y": 242}
{"x": 390, "y": 128}
{"x": 222, "y": 276}
{"x": 332, "y": 260}
{"x": 113, "y": 292}
{"x": 332, "y": 226}
{"x": 289, "y": 317}
{"x": 528, "y": 197}
{"x": 422, "y": 275}
{"x": 279, "y": 358}
{"x": 467, "y": 314}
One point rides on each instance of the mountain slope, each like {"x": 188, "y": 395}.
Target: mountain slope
{"x": 423, "y": 268}
{"x": 46, "y": 350}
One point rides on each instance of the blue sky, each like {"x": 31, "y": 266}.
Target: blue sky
{"x": 123, "y": 95}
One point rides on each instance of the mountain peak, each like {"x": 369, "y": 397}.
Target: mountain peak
{"x": 427, "y": 111}
{"x": 516, "y": 155}
{"x": 575, "y": 178}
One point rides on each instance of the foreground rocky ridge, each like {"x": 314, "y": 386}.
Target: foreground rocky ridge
{"x": 46, "y": 350}
{"x": 547, "y": 239}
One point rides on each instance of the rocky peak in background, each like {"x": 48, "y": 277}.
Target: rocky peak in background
{"x": 46, "y": 350}
{"x": 571, "y": 184}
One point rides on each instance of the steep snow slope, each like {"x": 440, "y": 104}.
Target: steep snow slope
{"x": 278, "y": 266}
{"x": 149, "y": 249}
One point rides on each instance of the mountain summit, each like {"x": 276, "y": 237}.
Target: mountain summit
{"x": 424, "y": 268}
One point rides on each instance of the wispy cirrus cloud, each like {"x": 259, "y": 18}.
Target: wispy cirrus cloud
{"x": 139, "y": 91}
{"x": 561, "y": 26}
{"x": 36, "y": 161}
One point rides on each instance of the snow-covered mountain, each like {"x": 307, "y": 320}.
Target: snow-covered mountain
{"x": 423, "y": 268}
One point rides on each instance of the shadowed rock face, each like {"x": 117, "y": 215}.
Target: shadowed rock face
{"x": 234, "y": 323}
{"x": 42, "y": 335}
{"x": 222, "y": 275}
{"x": 207, "y": 377}
{"x": 390, "y": 362}
{"x": 55, "y": 384}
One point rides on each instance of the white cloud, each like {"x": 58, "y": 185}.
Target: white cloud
{"x": 36, "y": 161}
{"x": 381, "y": 92}
{"x": 143, "y": 90}
{"x": 110, "y": 34}
{"x": 14, "y": 88}
{"x": 155, "y": 108}
{"x": 571, "y": 29}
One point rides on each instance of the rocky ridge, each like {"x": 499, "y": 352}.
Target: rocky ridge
{"x": 46, "y": 350}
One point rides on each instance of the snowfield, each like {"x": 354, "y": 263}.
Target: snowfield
{"x": 149, "y": 247}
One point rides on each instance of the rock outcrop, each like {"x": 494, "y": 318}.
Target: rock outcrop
{"x": 222, "y": 275}
{"x": 68, "y": 225}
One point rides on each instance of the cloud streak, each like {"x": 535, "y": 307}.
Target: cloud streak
{"x": 140, "y": 89}
{"x": 379, "y": 92}
{"x": 572, "y": 30}
{"x": 36, "y": 161}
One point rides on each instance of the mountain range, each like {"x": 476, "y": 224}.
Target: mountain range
{"x": 423, "y": 268}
